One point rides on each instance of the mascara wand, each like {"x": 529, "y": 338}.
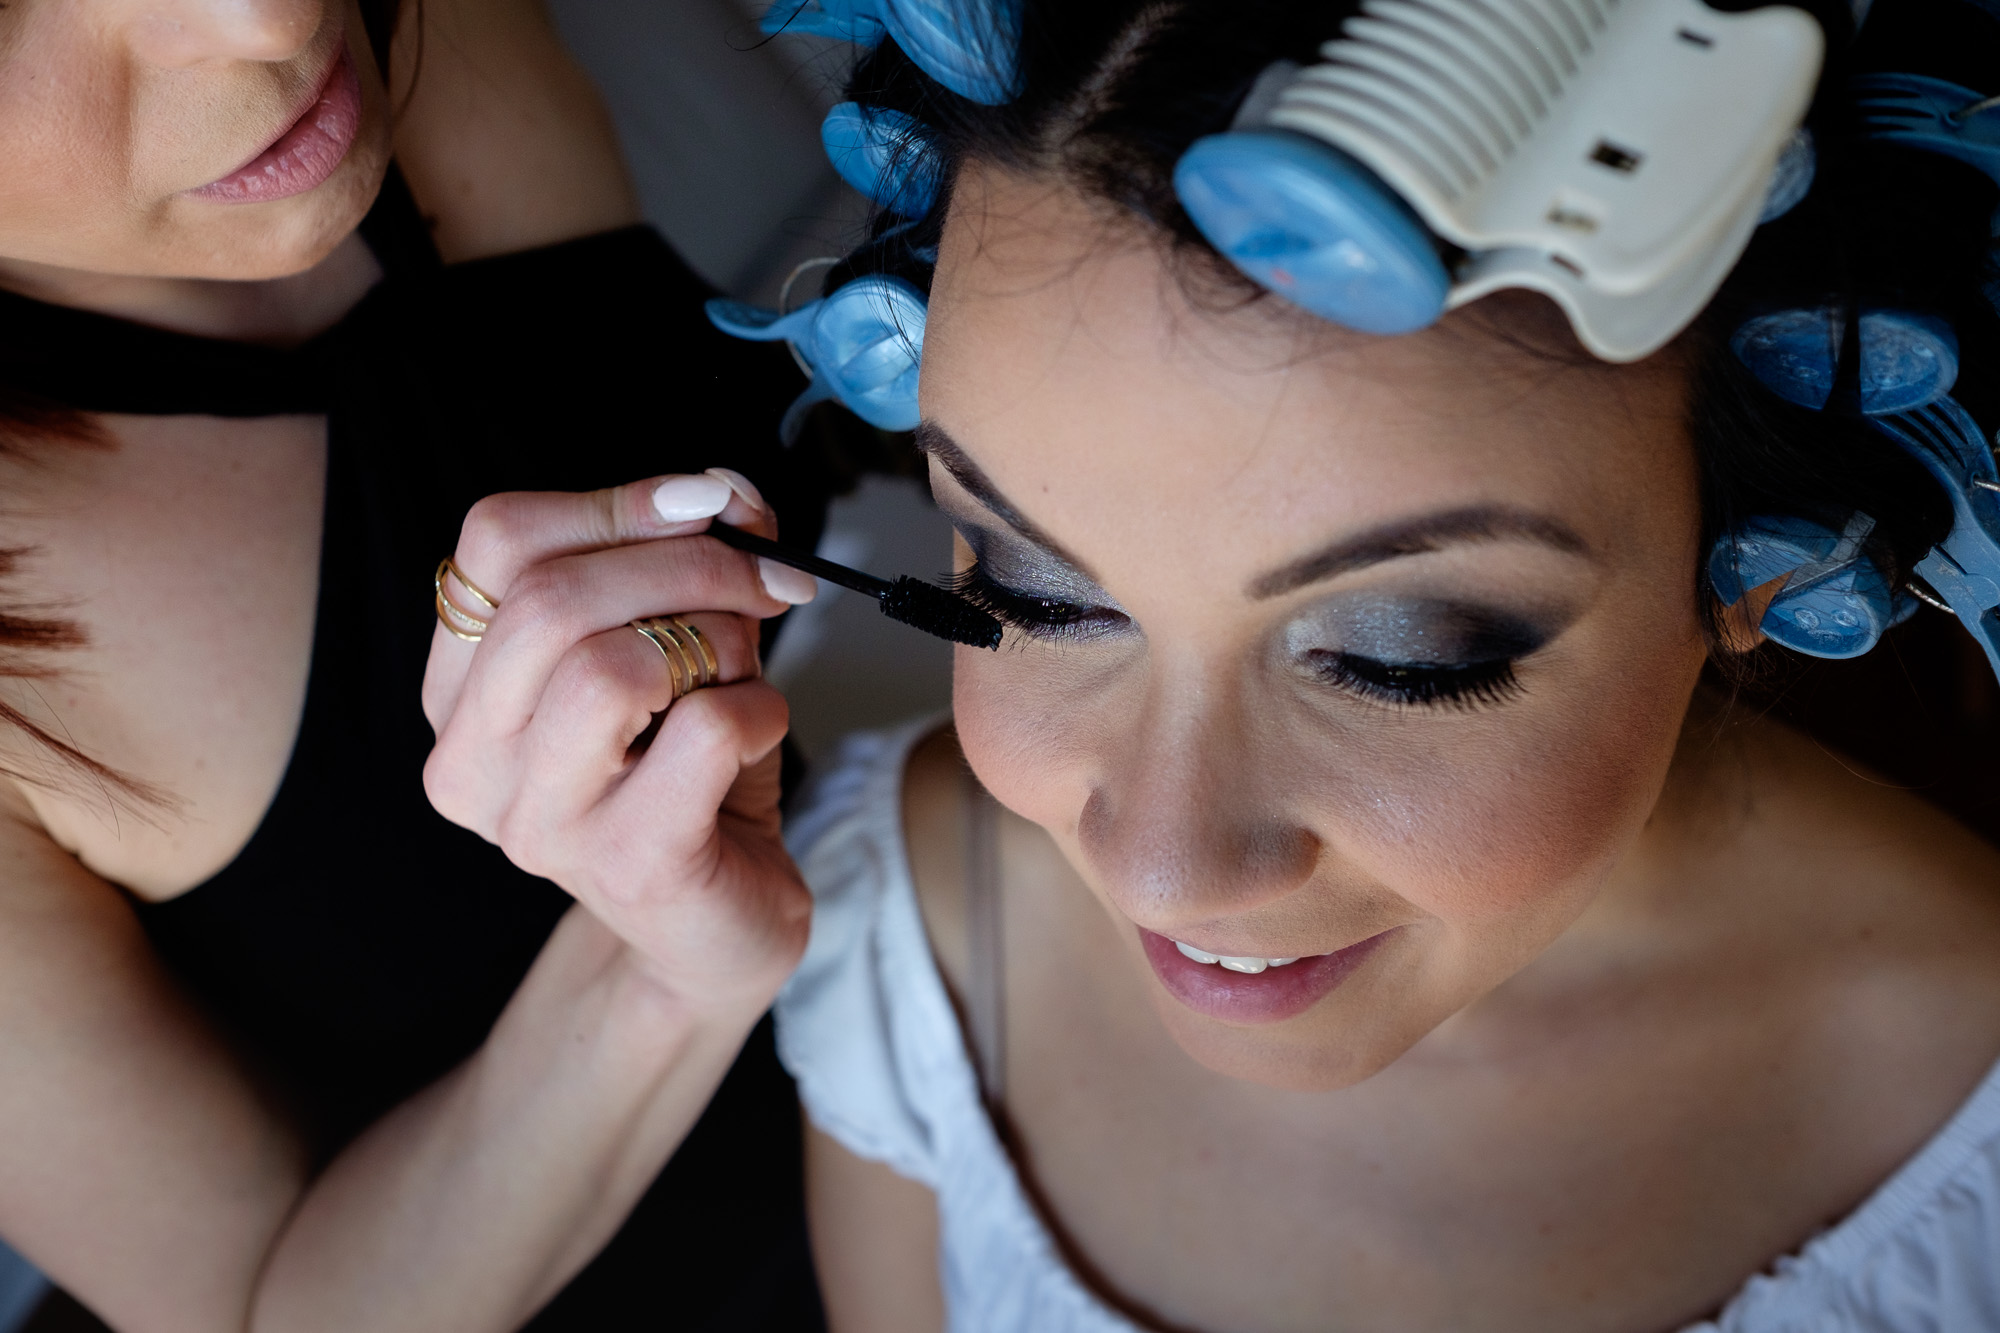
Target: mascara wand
{"x": 920, "y": 605}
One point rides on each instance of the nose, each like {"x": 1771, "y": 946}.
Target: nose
{"x": 1188, "y": 821}
{"x": 176, "y": 34}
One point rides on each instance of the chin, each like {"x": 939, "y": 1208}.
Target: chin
{"x": 286, "y": 237}
{"x": 1314, "y": 1052}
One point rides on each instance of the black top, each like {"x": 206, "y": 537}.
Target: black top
{"x": 360, "y": 945}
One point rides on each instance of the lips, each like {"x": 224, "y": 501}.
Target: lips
{"x": 1270, "y": 996}
{"x": 306, "y": 153}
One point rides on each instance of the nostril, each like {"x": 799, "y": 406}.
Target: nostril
{"x": 1165, "y": 860}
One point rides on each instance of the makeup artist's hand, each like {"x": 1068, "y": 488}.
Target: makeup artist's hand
{"x": 674, "y": 846}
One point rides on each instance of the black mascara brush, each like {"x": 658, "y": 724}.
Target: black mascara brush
{"x": 920, "y": 605}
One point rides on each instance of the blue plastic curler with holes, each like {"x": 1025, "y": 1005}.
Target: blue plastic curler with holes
{"x": 862, "y": 345}
{"x": 884, "y": 154}
{"x": 1794, "y": 353}
{"x": 968, "y": 46}
{"x": 1834, "y": 603}
{"x": 1305, "y": 220}
{"x": 1908, "y": 359}
{"x": 1792, "y": 178}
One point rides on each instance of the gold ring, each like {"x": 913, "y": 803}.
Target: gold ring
{"x": 669, "y": 632}
{"x": 460, "y": 621}
{"x": 711, "y": 669}
{"x": 679, "y": 664}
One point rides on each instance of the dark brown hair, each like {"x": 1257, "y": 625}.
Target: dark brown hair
{"x": 1114, "y": 91}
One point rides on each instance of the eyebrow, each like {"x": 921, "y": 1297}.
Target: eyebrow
{"x": 934, "y": 442}
{"x": 1416, "y": 536}
{"x": 1392, "y": 541}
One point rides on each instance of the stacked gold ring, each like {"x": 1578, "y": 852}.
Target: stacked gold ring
{"x": 690, "y": 660}
{"x": 462, "y": 622}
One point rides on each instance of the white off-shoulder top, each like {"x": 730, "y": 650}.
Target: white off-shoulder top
{"x": 867, "y": 1029}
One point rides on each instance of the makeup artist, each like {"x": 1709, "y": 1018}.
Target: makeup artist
{"x": 280, "y": 1046}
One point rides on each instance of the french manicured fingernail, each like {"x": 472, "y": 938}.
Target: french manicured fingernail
{"x": 790, "y": 586}
{"x": 741, "y": 484}
{"x": 680, "y": 499}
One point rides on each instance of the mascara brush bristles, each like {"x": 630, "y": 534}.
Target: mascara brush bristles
{"x": 942, "y": 612}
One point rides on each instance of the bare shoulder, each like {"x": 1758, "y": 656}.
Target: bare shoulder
{"x": 504, "y": 139}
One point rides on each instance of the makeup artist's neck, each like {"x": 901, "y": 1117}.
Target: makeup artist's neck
{"x": 280, "y": 311}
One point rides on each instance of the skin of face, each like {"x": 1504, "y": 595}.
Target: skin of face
{"x": 117, "y": 109}
{"x": 1196, "y": 751}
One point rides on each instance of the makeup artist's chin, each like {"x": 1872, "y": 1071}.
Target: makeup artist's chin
{"x": 273, "y": 220}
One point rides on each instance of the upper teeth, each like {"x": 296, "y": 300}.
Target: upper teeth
{"x": 1234, "y": 964}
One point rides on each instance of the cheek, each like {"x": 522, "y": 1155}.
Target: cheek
{"x": 1514, "y": 811}
{"x": 1028, "y": 721}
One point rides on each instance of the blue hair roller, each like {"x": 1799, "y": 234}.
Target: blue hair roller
{"x": 1835, "y": 602}
{"x": 863, "y": 345}
{"x": 883, "y": 154}
{"x": 1305, "y": 220}
{"x": 1908, "y": 360}
{"x": 1792, "y": 178}
{"x": 1793, "y": 353}
{"x": 967, "y": 45}
{"x": 1764, "y": 549}
{"x": 1840, "y": 614}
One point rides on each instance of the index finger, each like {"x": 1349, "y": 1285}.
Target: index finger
{"x": 508, "y": 533}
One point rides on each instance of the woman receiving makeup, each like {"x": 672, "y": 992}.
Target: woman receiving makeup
{"x": 1339, "y": 904}
{"x": 280, "y": 1046}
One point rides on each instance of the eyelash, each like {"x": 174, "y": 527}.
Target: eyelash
{"x": 1420, "y": 685}
{"x": 1462, "y": 687}
{"x": 1042, "y": 617}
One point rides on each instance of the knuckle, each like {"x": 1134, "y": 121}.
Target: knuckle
{"x": 704, "y": 727}
{"x": 493, "y": 525}
{"x": 599, "y": 677}
{"x": 521, "y": 836}
{"x": 544, "y": 592}
{"x": 445, "y": 787}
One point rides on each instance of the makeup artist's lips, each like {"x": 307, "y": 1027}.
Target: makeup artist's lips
{"x": 305, "y": 154}
{"x": 1269, "y": 996}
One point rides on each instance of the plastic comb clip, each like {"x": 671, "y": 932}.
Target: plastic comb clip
{"x": 1964, "y": 568}
{"x": 1920, "y": 112}
{"x": 1613, "y": 154}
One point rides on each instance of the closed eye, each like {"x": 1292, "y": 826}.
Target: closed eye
{"x": 1421, "y": 684}
{"x": 1042, "y": 617}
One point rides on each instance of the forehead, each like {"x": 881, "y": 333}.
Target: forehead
{"x": 1074, "y": 360}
